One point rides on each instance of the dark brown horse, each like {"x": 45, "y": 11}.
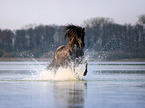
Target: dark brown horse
{"x": 72, "y": 53}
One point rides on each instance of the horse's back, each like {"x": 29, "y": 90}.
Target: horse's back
{"x": 60, "y": 48}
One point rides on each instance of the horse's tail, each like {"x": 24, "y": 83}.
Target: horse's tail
{"x": 49, "y": 66}
{"x": 53, "y": 66}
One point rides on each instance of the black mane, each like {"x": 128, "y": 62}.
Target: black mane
{"x": 72, "y": 30}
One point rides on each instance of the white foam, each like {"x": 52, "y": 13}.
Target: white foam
{"x": 63, "y": 74}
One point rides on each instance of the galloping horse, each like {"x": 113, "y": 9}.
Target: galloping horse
{"x": 72, "y": 53}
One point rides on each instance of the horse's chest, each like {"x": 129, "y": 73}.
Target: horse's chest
{"x": 76, "y": 53}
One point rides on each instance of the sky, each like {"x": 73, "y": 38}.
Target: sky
{"x": 15, "y": 14}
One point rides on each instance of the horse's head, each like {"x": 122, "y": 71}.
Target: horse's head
{"x": 76, "y": 35}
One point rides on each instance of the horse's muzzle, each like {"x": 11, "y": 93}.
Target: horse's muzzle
{"x": 82, "y": 46}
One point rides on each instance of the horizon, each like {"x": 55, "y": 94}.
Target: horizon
{"x": 17, "y": 14}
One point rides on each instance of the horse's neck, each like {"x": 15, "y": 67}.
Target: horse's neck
{"x": 70, "y": 46}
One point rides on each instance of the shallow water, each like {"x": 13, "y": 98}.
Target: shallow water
{"x": 107, "y": 85}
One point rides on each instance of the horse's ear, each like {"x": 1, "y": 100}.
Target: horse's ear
{"x": 83, "y": 28}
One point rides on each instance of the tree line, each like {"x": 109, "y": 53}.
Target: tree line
{"x": 102, "y": 34}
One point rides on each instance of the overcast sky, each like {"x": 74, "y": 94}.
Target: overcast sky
{"x": 14, "y": 14}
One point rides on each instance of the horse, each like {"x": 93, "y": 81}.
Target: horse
{"x": 72, "y": 53}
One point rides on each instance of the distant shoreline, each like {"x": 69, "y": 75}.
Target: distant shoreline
{"x": 91, "y": 59}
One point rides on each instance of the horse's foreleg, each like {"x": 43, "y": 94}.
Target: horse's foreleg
{"x": 73, "y": 67}
{"x": 86, "y": 70}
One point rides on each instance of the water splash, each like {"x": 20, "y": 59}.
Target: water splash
{"x": 61, "y": 74}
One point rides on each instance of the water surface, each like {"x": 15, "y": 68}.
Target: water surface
{"x": 107, "y": 85}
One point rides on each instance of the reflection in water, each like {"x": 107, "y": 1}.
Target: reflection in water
{"x": 70, "y": 94}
